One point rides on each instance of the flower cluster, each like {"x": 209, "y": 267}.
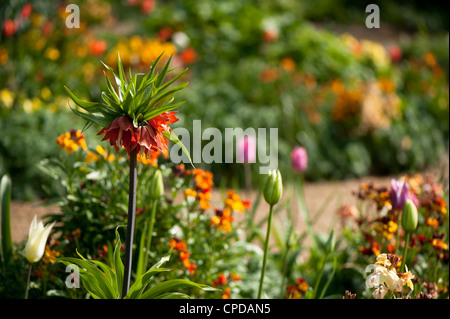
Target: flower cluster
{"x": 224, "y": 217}
{"x": 222, "y": 281}
{"x": 70, "y": 141}
{"x": 139, "y": 52}
{"x": 180, "y": 246}
{"x": 203, "y": 183}
{"x": 298, "y": 290}
{"x": 385, "y": 277}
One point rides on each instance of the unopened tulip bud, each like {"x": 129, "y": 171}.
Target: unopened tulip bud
{"x": 273, "y": 189}
{"x": 156, "y": 185}
{"x": 409, "y": 216}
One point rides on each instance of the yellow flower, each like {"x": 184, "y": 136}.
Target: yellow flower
{"x": 46, "y": 94}
{"x": 52, "y": 53}
{"x": 91, "y": 157}
{"x": 70, "y": 141}
{"x": 7, "y": 97}
{"x": 108, "y": 157}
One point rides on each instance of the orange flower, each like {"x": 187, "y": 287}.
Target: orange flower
{"x": 433, "y": 222}
{"x": 203, "y": 179}
{"x": 145, "y": 138}
{"x": 234, "y": 203}
{"x": 70, "y": 141}
{"x": 97, "y": 47}
{"x": 219, "y": 281}
{"x": 188, "y": 56}
{"x": 204, "y": 199}
{"x": 180, "y": 246}
{"x": 151, "y": 160}
{"x": 227, "y": 293}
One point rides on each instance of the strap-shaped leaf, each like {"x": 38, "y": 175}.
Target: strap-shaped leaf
{"x": 97, "y": 281}
{"x": 174, "y": 138}
{"x": 169, "y": 285}
{"x": 157, "y": 111}
{"x": 83, "y": 104}
{"x": 173, "y": 295}
{"x": 98, "y": 118}
{"x": 163, "y": 73}
{"x": 142, "y": 282}
{"x": 117, "y": 265}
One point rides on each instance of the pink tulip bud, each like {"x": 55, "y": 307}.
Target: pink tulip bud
{"x": 299, "y": 159}
{"x": 246, "y": 149}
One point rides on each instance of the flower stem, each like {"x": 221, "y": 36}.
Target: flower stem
{"x": 266, "y": 248}
{"x": 405, "y": 251}
{"x": 130, "y": 223}
{"x": 28, "y": 281}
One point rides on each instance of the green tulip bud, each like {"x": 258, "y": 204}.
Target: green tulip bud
{"x": 409, "y": 216}
{"x": 273, "y": 189}
{"x": 156, "y": 185}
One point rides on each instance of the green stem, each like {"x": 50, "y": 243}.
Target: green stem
{"x": 405, "y": 251}
{"x": 266, "y": 248}
{"x": 28, "y": 281}
{"x": 319, "y": 279}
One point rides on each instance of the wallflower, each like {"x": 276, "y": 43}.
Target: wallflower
{"x": 223, "y": 219}
{"x": 298, "y": 290}
{"x": 70, "y": 141}
{"x": 188, "y": 56}
{"x": 219, "y": 281}
{"x": 226, "y": 293}
{"x": 385, "y": 278}
{"x": 102, "y": 152}
{"x": 234, "y": 202}
{"x": 386, "y": 227}
{"x": 203, "y": 180}
{"x": 180, "y": 246}
{"x": 288, "y": 64}
{"x": 151, "y": 160}
{"x": 91, "y": 157}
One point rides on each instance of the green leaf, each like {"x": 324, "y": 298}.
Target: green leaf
{"x": 173, "y": 295}
{"x": 83, "y": 104}
{"x": 99, "y": 118}
{"x": 5, "y": 199}
{"x": 163, "y": 73}
{"x": 168, "y": 286}
{"x": 96, "y": 282}
{"x": 117, "y": 265}
{"x": 174, "y": 138}
{"x": 155, "y": 112}
{"x": 111, "y": 89}
{"x": 142, "y": 282}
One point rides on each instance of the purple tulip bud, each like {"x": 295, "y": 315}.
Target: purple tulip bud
{"x": 299, "y": 159}
{"x": 247, "y": 149}
{"x": 399, "y": 194}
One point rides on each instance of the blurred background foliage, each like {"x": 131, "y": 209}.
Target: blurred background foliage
{"x": 359, "y": 106}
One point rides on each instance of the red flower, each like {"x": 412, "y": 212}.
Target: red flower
{"x": 144, "y": 138}
{"x": 9, "y": 28}
{"x": 26, "y": 10}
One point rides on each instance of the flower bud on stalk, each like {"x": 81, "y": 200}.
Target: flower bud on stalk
{"x": 409, "y": 216}
{"x": 409, "y": 224}
{"x": 156, "y": 185}
{"x": 273, "y": 189}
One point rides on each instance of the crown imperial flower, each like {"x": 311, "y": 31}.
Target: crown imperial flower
{"x": 137, "y": 115}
